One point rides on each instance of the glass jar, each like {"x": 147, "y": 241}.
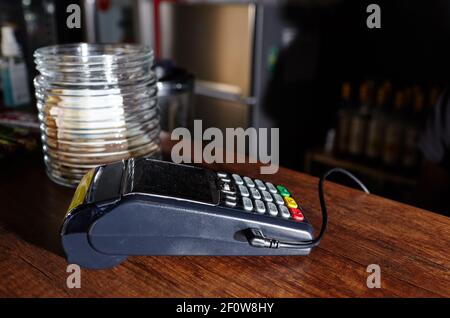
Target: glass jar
{"x": 97, "y": 104}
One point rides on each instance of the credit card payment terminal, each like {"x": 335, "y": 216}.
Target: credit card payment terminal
{"x": 150, "y": 207}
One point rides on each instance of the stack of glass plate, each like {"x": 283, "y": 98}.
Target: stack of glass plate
{"x": 97, "y": 104}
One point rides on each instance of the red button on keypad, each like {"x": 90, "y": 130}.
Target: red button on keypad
{"x": 297, "y": 214}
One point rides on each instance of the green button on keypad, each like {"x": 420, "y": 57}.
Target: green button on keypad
{"x": 283, "y": 191}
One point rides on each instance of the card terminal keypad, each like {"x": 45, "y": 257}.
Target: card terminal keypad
{"x": 256, "y": 196}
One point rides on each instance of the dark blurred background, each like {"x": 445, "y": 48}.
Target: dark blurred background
{"x": 342, "y": 94}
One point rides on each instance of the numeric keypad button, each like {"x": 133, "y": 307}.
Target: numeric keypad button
{"x": 244, "y": 191}
{"x": 260, "y": 207}
{"x": 271, "y": 187}
{"x": 249, "y": 182}
{"x": 238, "y": 179}
{"x": 247, "y": 204}
{"x": 278, "y": 199}
{"x": 284, "y": 211}
{"x": 267, "y": 196}
{"x": 260, "y": 184}
{"x": 272, "y": 209}
{"x": 255, "y": 193}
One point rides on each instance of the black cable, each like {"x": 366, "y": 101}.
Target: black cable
{"x": 256, "y": 237}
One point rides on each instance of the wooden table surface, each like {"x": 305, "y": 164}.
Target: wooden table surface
{"x": 410, "y": 245}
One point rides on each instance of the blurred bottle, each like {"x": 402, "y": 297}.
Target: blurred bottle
{"x": 413, "y": 123}
{"x": 13, "y": 71}
{"x": 432, "y": 100}
{"x": 359, "y": 121}
{"x": 408, "y": 99}
{"x": 376, "y": 125}
{"x": 394, "y": 132}
{"x": 344, "y": 118}
{"x": 387, "y": 87}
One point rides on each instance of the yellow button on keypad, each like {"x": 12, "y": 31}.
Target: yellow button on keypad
{"x": 290, "y": 202}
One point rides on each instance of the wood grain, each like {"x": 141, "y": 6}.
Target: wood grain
{"x": 409, "y": 244}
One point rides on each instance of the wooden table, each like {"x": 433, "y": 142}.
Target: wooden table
{"x": 410, "y": 246}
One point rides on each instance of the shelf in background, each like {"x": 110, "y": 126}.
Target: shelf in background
{"x": 377, "y": 173}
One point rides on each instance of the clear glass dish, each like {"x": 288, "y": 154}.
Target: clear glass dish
{"x": 97, "y": 104}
